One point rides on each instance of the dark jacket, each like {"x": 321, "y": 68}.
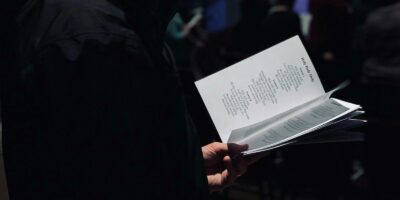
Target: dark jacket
{"x": 91, "y": 109}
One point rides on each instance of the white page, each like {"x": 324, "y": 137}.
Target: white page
{"x": 299, "y": 125}
{"x": 241, "y": 134}
{"x": 238, "y": 135}
{"x": 262, "y": 86}
{"x": 340, "y": 123}
{"x": 333, "y": 135}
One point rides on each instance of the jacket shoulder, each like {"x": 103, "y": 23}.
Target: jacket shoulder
{"x": 48, "y": 20}
{"x": 70, "y": 24}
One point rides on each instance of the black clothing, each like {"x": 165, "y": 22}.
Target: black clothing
{"x": 94, "y": 110}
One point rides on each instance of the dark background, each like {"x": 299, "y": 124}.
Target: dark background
{"x": 347, "y": 40}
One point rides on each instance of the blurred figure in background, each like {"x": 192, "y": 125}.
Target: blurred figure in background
{"x": 330, "y": 39}
{"x": 247, "y": 34}
{"x": 381, "y": 80}
{"x": 280, "y": 24}
{"x": 325, "y": 169}
{"x": 185, "y": 41}
{"x": 302, "y": 8}
{"x": 180, "y": 37}
{"x": 220, "y": 18}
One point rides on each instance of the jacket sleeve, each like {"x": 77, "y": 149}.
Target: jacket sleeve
{"x": 102, "y": 107}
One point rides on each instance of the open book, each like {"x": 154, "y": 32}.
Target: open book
{"x": 276, "y": 98}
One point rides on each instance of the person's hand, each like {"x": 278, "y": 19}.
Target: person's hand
{"x": 221, "y": 169}
{"x": 186, "y": 30}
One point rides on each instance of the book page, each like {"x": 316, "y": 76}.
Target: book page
{"x": 339, "y": 136}
{"x": 299, "y": 124}
{"x": 334, "y": 129}
{"x": 260, "y": 87}
{"x": 238, "y": 135}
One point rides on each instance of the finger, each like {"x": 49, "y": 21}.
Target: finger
{"x": 215, "y": 168}
{"x": 235, "y": 149}
{"x": 226, "y": 178}
{"x": 234, "y": 169}
{"x": 219, "y": 149}
{"x": 215, "y": 181}
{"x": 213, "y": 153}
{"x": 240, "y": 165}
{"x": 220, "y": 180}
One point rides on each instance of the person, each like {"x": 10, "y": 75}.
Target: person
{"x": 286, "y": 24}
{"x": 92, "y": 109}
{"x": 380, "y": 81}
{"x": 330, "y": 39}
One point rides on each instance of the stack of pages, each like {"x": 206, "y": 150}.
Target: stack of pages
{"x": 275, "y": 98}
